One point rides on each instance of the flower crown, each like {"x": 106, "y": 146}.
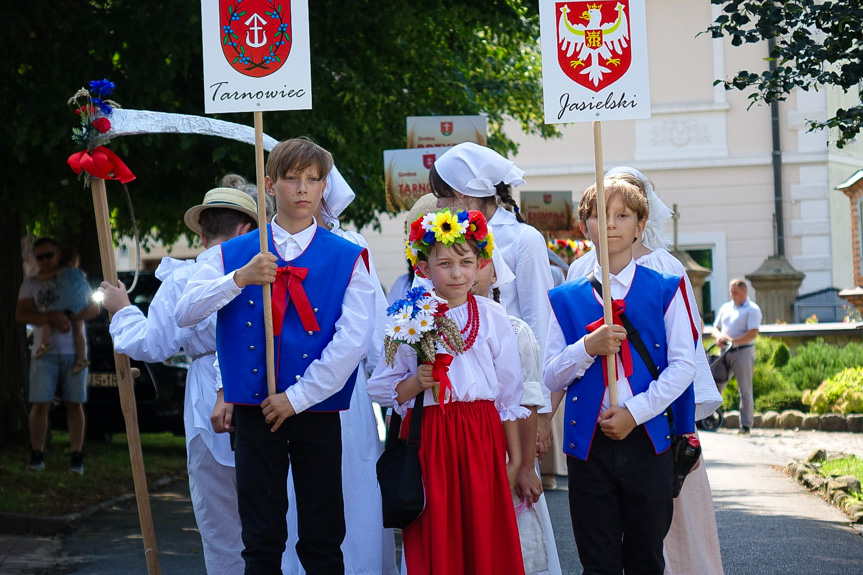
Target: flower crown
{"x": 448, "y": 228}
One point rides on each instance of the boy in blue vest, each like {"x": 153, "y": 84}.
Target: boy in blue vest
{"x": 621, "y": 470}
{"x": 323, "y": 305}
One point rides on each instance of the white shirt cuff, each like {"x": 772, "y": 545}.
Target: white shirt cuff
{"x": 298, "y": 399}
{"x": 639, "y": 408}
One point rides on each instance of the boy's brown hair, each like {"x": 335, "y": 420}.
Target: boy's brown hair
{"x": 628, "y": 187}
{"x": 297, "y": 154}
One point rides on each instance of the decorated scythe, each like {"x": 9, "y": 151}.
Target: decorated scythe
{"x": 100, "y": 123}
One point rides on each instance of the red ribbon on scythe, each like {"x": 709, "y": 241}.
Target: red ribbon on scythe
{"x": 101, "y": 163}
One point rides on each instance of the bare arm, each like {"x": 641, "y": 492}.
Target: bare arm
{"x": 25, "y": 312}
{"x": 513, "y": 450}
{"x": 528, "y": 484}
{"x": 746, "y": 338}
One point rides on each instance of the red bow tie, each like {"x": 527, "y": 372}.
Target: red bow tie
{"x": 618, "y": 306}
{"x": 289, "y": 286}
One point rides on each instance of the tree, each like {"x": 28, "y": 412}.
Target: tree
{"x": 817, "y": 43}
{"x": 373, "y": 64}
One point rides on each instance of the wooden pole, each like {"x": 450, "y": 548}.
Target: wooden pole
{"x": 262, "y": 229}
{"x": 125, "y": 385}
{"x": 611, "y": 360}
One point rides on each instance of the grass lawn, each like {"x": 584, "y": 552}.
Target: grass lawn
{"x": 107, "y": 473}
{"x": 846, "y": 466}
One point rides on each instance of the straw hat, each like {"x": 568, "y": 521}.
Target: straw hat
{"x": 228, "y": 198}
{"x": 423, "y": 205}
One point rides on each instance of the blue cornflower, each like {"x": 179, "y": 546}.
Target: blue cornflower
{"x": 105, "y": 108}
{"x": 463, "y": 216}
{"x": 103, "y": 87}
{"x": 429, "y": 237}
{"x": 415, "y": 294}
{"x": 397, "y": 305}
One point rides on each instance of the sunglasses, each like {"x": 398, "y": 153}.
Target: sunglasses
{"x": 46, "y": 255}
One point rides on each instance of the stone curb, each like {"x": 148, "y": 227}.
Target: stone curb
{"x": 794, "y": 419}
{"x": 19, "y": 524}
{"x": 835, "y": 490}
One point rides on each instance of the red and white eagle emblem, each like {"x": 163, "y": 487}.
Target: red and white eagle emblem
{"x": 597, "y": 53}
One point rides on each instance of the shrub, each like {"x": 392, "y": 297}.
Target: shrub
{"x": 781, "y": 356}
{"x": 780, "y": 400}
{"x": 816, "y": 361}
{"x": 730, "y": 395}
{"x": 842, "y": 392}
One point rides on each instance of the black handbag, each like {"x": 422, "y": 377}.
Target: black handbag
{"x": 399, "y": 474}
{"x": 685, "y": 454}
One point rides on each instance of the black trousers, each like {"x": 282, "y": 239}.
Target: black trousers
{"x": 621, "y": 503}
{"x": 312, "y": 442}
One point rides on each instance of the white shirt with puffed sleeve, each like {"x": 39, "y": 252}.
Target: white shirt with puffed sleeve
{"x": 489, "y": 370}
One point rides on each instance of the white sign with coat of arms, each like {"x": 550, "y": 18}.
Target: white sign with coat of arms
{"x": 438, "y": 131}
{"x": 594, "y": 60}
{"x": 406, "y": 175}
{"x": 256, "y": 55}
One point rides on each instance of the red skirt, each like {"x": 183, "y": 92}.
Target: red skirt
{"x": 468, "y": 526}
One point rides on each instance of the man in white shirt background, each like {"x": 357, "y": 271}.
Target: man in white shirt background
{"x": 736, "y": 325}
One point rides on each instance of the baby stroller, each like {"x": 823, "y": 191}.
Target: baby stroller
{"x": 713, "y": 421}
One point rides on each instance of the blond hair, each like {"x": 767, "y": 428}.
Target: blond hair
{"x": 629, "y": 188}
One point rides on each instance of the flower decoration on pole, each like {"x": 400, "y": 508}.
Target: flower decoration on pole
{"x": 94, "y": 110}
{"x": 419, "y": 320}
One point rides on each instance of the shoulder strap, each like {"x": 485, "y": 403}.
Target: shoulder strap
{"x": 416, "y": 423}
{"x": 635, "y": 339}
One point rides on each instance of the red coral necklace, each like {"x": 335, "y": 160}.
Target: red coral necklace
{"x": 471, "y": 326}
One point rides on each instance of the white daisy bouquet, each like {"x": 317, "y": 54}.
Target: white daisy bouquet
{"x": 419, "y": 321}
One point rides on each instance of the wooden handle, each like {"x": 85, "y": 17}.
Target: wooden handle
{"x": 603, "y": 256}
{"x": 262, "y": 232}
{"x": 125, "y": 385}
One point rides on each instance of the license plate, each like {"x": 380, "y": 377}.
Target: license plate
{"x": 103, "y": 380}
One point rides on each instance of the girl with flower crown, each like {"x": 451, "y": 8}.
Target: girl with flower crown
{"x": 468, "y": 525}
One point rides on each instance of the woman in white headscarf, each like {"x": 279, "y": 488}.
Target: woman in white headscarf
{"x": 368, "y": 548}
{"x": 692, "y": 544}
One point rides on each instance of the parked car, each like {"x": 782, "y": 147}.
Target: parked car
{"x": 159, "y": 390}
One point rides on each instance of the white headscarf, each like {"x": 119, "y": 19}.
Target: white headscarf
{"x": 338, "y": 195}
{"x": 654, "y": 232}
{"x": 474, "y": 170}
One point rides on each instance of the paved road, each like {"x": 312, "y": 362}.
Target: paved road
{"x": 768, "y": 524}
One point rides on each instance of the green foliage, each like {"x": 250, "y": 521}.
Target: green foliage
{"x": 817, "y": 360}
{"x": 841, "y": 393}
{"x": 781, "y": 356}
{"x": 851, "y": 465}
{"x": 816, "y": 44}
{"x": 780, "y": 400}
{"x": 731, "y": 395}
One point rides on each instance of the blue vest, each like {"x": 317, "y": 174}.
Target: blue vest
{"x": 648, "y": 297}
{"x": 240, "y": 336}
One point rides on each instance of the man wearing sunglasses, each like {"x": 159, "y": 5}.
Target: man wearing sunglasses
{"x": 52, "y": 369}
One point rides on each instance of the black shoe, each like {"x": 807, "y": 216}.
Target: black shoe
{"x": 76, "y": 462}
{"x": 37, "y": 461}
{"x": 743, "y": 431}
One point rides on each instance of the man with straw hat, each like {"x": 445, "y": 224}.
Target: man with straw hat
{"x": 225, "y": 213}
